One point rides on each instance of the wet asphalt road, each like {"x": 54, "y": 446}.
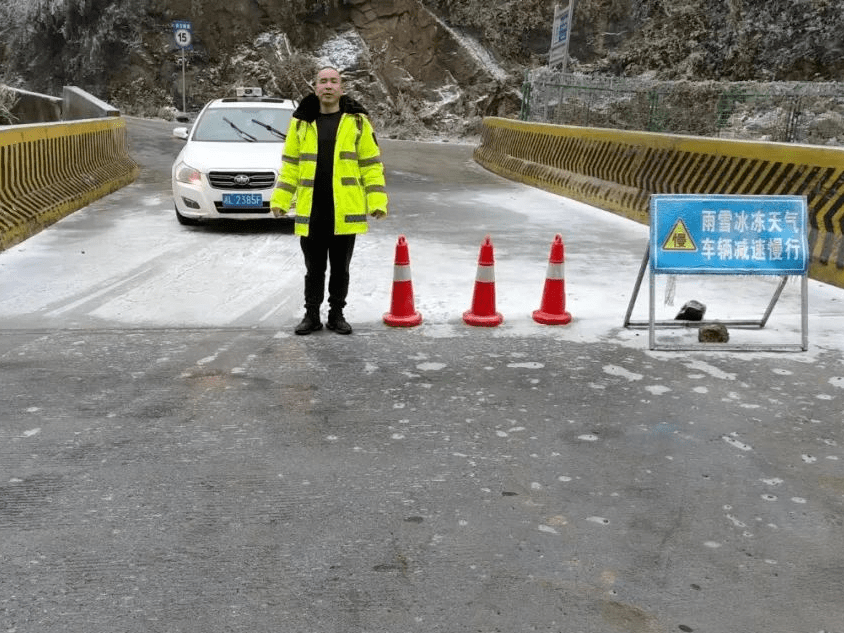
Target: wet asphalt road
{"x": 196, "y": 479}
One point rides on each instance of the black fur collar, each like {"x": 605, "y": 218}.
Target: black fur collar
{"x": 309, "y": 107}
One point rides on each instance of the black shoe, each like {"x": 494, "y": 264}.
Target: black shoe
{"x": 338, "y": 323}
{"x": 310, "y": 323}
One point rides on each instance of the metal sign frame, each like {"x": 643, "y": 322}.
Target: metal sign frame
{"x": 679, "y": 240}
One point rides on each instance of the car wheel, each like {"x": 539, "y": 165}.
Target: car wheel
{"x": 185, "y": 221}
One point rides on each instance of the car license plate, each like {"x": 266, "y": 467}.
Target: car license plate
{"x": 242, "y": 200}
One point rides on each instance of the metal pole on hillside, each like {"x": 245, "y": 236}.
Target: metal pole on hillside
{"x": 524, "y": 115}
{"x": 184, "y": 89}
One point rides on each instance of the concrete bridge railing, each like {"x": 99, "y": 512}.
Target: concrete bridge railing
{"x": 619, "y": 171}
{"x": 48, "y": 170}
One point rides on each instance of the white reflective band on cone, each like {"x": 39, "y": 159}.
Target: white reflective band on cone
{"x": 486, "y": 274}
{"x": 556, "y": 271}
{"x": 401, "y": 272}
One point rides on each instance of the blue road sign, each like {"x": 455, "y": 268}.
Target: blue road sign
{"x": 183, "y": 34}
{"x": 560, "y": 35}
{"x": 725, "y": 234}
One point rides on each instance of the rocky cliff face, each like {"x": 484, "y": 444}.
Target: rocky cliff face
{"x": 420, "y": 66}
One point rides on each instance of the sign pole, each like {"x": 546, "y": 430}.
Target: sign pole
{"x": 184, "y": 89}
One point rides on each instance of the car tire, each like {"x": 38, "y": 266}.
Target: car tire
{"x": 185, "y": 221}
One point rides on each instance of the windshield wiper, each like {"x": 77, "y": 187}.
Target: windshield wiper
{"x": 245, "y": 135}
{"x": 270, "y": 128}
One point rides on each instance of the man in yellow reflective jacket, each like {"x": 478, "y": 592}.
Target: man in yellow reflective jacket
{"x": 332, "y": 164}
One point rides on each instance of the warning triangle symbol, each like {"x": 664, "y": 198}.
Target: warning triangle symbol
{"x": 679, "y": 239}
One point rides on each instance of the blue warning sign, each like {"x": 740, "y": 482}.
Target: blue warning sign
{"x": 728, "y": 234}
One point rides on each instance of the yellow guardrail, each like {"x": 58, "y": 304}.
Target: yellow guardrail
{"x": 48, "y": 171}
{"x": 619, "y": 171}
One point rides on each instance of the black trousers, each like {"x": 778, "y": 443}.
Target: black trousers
{"x": 319, "y": 250}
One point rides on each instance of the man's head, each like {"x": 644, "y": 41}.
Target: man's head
{"x": 329, "y": 89}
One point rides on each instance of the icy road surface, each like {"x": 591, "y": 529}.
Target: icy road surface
{"x": 125, "y": 262}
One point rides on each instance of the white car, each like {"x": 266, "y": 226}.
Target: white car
{"x": 229, "y": 164}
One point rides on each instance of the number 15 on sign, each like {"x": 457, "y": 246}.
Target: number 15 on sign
{"x": 183, "y": 34}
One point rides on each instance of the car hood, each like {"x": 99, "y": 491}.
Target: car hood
{"x": 232, "y": 156}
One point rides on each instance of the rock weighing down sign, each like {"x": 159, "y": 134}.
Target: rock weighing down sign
{"x": 728, "y": 235}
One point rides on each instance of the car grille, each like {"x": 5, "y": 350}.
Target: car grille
{"x": 227, "y": 179}
{"x": 264, "y": 208}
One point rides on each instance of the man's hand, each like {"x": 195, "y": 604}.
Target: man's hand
{"x": 277, "y": 212}
{"x": 378, "y": 214}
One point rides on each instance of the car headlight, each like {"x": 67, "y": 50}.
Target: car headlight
{"x": 187, "y": 174}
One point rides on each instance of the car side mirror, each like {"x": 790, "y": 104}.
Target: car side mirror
{"x": 181, "y": 132}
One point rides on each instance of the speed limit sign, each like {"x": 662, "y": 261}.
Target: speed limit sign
{"x": 183, "y": 34}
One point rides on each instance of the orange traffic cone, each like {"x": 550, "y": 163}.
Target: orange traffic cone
{"x": 553, "y": 308}
{"x": 402, "y": 313}
{"x": 483, "y": 299}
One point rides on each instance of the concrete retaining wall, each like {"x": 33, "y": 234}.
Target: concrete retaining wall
{"x": 78, "y": 104}
{"x": 619, "y": 171}
{"x": 34, "y": 107}
{"x": 48, "y": 171}
{"x": 74, "y": 104}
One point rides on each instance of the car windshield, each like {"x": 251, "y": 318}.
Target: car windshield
{"x": 247, "y": 124}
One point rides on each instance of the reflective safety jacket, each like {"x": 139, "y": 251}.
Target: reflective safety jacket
{"x": 358, "y": 173}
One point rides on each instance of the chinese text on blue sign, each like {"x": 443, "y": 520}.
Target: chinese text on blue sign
{"x": 729, "y": 234}
{"x": 563, "y": 29}
{"x": 560, "y": 35}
